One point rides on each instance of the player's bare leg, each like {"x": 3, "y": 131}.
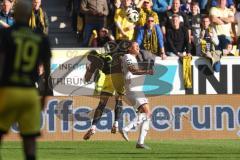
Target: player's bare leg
{"x": 144, "y": 126}
{"x": 117, "y": 111}
{"x": 142, "y": 119}
{"x": 134, "y": 123}
{"x": 97, "y": 116}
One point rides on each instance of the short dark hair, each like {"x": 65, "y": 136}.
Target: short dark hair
{"x": 175, "y": 15}
{"x": 206, "y": 16}
{"x": 194, "y": 3}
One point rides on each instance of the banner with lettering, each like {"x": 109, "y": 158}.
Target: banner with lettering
{"x": 69, "y": 67}
{"x": 173, "y": 117}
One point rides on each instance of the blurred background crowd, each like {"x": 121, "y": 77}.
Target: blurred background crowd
{"x": 163, "y": 27}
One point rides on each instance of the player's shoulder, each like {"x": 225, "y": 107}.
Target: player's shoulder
{"x": 129, "y": 58}
{"x": 126, "y": 56}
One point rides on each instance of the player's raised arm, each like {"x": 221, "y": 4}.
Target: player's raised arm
{"x": 138, "y": 71}
{"x": 132, "y": 66}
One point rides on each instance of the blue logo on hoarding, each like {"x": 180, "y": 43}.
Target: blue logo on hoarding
{"x": 161, "y": 81}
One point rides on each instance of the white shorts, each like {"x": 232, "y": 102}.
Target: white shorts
{"x": 137, "y": 99}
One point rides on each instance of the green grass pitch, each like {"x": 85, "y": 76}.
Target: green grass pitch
{"x": 115, "y": 150}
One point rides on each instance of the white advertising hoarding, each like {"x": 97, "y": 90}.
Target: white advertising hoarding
{"x": 68, "y": 68}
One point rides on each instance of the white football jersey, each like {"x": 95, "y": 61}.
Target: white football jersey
{"x": 133, "y": 83}
{"x": 129, "y": 60}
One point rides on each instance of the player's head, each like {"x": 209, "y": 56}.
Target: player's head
{"x": 22, "y": 11}
{"x": 134, "y": 48}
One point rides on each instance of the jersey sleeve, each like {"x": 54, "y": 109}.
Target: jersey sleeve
{"x": 128, "y": 61}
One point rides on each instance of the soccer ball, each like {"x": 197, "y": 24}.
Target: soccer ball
{"x": 132, "y": 15}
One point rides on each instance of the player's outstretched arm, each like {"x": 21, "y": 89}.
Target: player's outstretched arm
{"x": 137, "y": 71}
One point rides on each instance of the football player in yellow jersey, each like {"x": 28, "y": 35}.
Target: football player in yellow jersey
{"x": 21, "y": 52}
{"x": 113, "y": 82}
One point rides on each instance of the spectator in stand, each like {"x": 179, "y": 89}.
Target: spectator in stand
{"x": 145, "y": 12}
{"x": 186, "y": 7}
{"x": 161, "y": 6}
{"x": 6, "y": 16}
{"x": 209, "y": 41}
{"x": 195, "y": 24}
{"x": 138, "y": 3}
{"x": 208, "y": 32}
{"x": 117, "y": 3}
{"x": 222, "y": 18}
{"x": 103, "y": 36}
{"x": 73, "y": 7}
{"x": 95, "y": 15}
{"x": 229, "y": 51}
{"x": 134, "y": 3}
{"x": 237, "y": 21}
{"x": 167, "y": 20}
{"x": 229, "y": 3}
{"x": 177, "y": 39}
{"x": 203, "y": 6}
{"x": 150, "y": 38}
{"x": 124, "y": 28}
{"x": 39, "y": 19}
{"x": 110, "y": 18}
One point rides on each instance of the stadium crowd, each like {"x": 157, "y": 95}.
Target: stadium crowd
{"x": 38, "y": 20}
{"x": 164, "y": 27}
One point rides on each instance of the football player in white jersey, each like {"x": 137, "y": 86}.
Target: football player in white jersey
{"x": 134, "y": 78}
